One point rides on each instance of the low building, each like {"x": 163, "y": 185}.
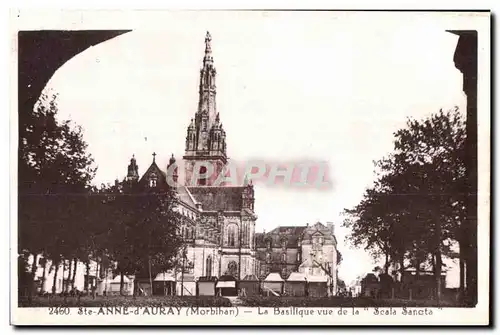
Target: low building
{"x": 310, "y": 250}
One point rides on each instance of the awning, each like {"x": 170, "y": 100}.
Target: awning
{"x": 296, "y": 277}
{"x": 188, "y": 277}
{"x": 117, "y": 279}
{"x": 164, "y": 277}
{"x": 274, "y": 277}
{"x": 222, "y": 284}
{"x": 317, "y": 279}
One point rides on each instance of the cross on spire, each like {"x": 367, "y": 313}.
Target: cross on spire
{"x": 154, "y": 156}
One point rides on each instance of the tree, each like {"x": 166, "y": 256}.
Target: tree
{"x": 417, "y": 203}
{"x": 52, "y": 164}
{"x": 142, "y": 227}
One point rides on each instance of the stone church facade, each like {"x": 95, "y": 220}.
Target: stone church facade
{"x": 218, "y": 221}
{"x": 310, "y": 250}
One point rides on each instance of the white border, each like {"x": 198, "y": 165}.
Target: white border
{"x": 51, "y": 19}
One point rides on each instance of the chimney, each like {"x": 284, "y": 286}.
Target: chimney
{"x": 330, "y": 227}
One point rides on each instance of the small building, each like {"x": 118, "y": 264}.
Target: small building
{"x": 227, "y": 286}
{"x": 164, "y": 284}
{"x": 370, "y": 286}
{"x": 295, "y": 285}
{"x": 186, "y": 284}
{"x": 273, "y": 284}
{"x": 317, "y": 286}
{"x": 128, "y": 286}
{"x": 423, "y": 285}
{"x": 250, "y": 285}
{"x": 206, "y": 285}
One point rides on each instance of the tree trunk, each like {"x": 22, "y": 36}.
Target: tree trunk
{"x": 96, "y": 275}
{"x": 462, "y": 254}
{"x": 122, "y": 282}
{"x": 439, "y": 263}
{"x": 74, "y": 272}
{"x": 402, "y": 266}
{"x": 68, "y": 278}
{"x": 164, "y": 286}
{"x": 87, "y": 264}
{"x": 44, "y": 275}
{"x": 462, "y": 278}
{"x": 150, "y": 278}
{"x": 54, "y": 283}
{"x": 386, "y": 265}
{"x": 33, "y": 275}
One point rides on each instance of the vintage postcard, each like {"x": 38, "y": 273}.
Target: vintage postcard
{"x": 250, "y": 167}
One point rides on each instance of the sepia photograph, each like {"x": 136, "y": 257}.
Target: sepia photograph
{"x": 250, "y": 167}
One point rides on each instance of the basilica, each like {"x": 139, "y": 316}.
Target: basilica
{"x": 219, "y": 221}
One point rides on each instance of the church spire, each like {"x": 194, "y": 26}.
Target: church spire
{"x": 208, "y": 49}
{"x": 206, "y": 138}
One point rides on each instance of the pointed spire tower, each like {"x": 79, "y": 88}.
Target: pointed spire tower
{"x": 133, "y": 170}
{"x": 206, "y": 138}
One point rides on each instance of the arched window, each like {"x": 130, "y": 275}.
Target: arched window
{"x": 202, "y": 178}
{"x": 208, "y": 266}
{"x": 268, "y": 258}
{"x": 152, "y": 180}
{"x": 231, "y": 235}
{"x": 283, "y": 258}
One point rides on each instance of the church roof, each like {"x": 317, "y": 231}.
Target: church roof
{"x": 186, "y": 197}
{"x": 288, "y": 230}
{"x": 290, "y": 233}
{"x": 215, "y": 198}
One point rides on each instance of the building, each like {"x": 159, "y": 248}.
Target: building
{"x": 311, "y": 250}
{"x": 219, "y": 221}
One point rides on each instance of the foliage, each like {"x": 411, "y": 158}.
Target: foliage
{"x": 416, "y": 205}
{"x": 142, "y": 227}
{"x": 54, "y": 172}
{"x": 63, "y": 218}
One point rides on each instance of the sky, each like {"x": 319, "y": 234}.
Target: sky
{"x": 290, "y": 86}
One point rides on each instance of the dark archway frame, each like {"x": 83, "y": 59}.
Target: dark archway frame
{"x": 41, "y": 53}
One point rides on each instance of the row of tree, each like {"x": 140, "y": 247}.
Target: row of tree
{"x": 415, "y": 212}
{"x": 62, "y": 218}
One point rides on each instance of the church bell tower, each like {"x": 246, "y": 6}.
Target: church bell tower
{"x": 206, "y": 138}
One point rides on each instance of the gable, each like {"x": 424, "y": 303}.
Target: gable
{"x": 153, "y": 172}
